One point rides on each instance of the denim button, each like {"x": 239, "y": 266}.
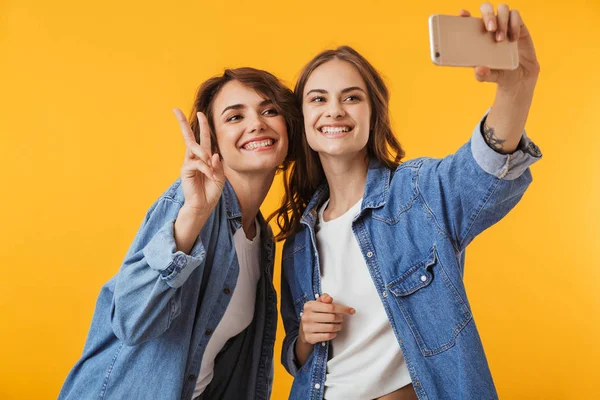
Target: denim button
{"x": 323, "y": 344}
{"x": 370, "y": 254}
{"x": 208, "y": 331}
{"x": 316, "y": 295}
{"x": 423, "y": 278}
{"x": 226, "y": 290}
{"x": 317, "y": 386}
{"x": 384, "y": 294}
{"x": 301, "y": 313}
{"x": 192, "y": 378}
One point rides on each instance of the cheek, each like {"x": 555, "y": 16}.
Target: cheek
{"x": 364, "y": 116}
{"x": 310, "y": 117}
{"x": 226, "y": 139}
{"x": 281, "y": 128}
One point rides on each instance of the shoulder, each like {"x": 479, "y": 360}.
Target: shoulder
{"x": 174, "y": 193}
{"x": 405, "y": 177}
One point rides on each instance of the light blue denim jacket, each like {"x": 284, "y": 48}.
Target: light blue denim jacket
{"x": 154, "y": 318}
{"x": 413, "y": 228}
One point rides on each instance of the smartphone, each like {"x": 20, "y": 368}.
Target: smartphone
{"x": 464, "y": 42}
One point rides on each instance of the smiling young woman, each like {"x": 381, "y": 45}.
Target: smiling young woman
{"x": 192, "y": 311}
{"x": 386, "y": 239}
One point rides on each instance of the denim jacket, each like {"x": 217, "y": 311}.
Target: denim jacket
{"x": 412, "y": 229}
{"x": 154, "y": 319}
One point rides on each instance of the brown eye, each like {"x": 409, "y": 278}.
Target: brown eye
{"x": 352, "y": 98}
{"x": 270, "y": 111}
{"x": 234, "y": 118}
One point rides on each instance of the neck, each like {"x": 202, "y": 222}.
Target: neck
{"x": 346, "y": 177}
{"x": 251, "y": 190}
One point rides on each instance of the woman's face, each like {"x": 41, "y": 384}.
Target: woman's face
{"x": 252, "y": 136}
{"x": 337, "y": 110}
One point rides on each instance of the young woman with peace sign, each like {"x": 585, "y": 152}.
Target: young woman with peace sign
{"x": 192, "y": 312}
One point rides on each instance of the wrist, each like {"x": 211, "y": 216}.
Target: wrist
{"x": 192, "y": 214}
{"x": 523, "y": 87}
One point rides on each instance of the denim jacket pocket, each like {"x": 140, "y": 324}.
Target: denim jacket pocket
{"x": 432, "y": 306}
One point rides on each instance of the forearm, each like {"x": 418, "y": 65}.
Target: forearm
{"x": 187, "y": 227}
{"x": 505, "y": 123}
{"x": 303, "y": 350}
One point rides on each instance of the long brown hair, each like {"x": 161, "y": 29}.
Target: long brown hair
{"x": 306, "y": 173}
{"x": 265, "y": 84}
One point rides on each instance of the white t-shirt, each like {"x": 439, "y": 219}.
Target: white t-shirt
{"x": 366, "y": 360}
{"x": 240, "y": 311}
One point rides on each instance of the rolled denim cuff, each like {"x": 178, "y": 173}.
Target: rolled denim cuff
{"x": 503, "y": 166}
{"x": 174, "y": 266}
{"x": 290, "y": 358}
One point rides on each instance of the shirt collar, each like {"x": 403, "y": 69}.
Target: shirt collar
{"x": 375, "y": 194}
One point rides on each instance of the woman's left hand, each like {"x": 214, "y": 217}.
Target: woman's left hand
{"x": 508, "y": 25}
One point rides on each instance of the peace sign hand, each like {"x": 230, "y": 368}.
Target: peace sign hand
{"x": 202, "y": 176}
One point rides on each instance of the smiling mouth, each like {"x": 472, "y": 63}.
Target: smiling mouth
{"x": 334, "y": 130}
{"x": 259, "y": 144}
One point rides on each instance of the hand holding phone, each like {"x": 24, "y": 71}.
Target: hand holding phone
{"x": 506, "y": 26}
{"x": 465, "y": 42}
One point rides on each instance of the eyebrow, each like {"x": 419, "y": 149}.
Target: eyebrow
{"x": 242, "y": 106}
{"x": 348, "y": 89}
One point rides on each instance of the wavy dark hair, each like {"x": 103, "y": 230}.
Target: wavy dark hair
{"x": 306, "y": 172}
{"x": 265, "y": 84}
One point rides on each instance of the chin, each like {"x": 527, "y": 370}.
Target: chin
{"x": 264, "y": 165}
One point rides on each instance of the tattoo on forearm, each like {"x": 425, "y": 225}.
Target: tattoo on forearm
{"x": 491, "y": 139}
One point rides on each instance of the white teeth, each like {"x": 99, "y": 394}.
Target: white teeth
{"x": 257, "y": 144}
{"x": 333, "y": 130}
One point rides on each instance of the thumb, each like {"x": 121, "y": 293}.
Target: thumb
{"x": 325, "y": 298}
{"x": 485, "y": 74}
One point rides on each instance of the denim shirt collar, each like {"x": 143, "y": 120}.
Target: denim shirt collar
{"x": 375, "y": 194}
{"x": 234, "y": 216}
{"x": 232, "y": 205}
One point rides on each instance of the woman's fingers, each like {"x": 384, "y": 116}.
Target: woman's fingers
{"x": 189, "y": 139}
{"x": 319, "y": 307}
{"x": 486, "y": 74}
{"x": 515, "y": 25}
{"x": 322, "y": 328}
{"x": 320, "y": 337}
{"x": 464, "y": 13}
{"x": 205, "y": 140}
{"x": 188, "y": 135}
{"x": 323, "y": 317}
{"x": 503, "y": 15}
{"x": 217, "y": 166}
{"x": 189, "y": 168}
{"x": 489, "y": 18}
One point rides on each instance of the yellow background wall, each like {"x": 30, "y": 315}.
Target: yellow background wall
{"x": 88, "y": 142}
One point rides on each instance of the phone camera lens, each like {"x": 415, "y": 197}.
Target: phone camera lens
{"x": 437, "y": 55}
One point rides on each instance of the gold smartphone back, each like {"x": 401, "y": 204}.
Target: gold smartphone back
{"x": 464, "y": 42}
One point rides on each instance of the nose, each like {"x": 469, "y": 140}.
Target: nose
{"x": 335, "y": 109}
{"x": 256, "y": 124}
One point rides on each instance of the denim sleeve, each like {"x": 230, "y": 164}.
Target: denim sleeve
{"x": 290, "y": 324}
{"x": 147, "y": 294}
{"x": 474, "y": 188}
{"x": 503, "y": 166}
